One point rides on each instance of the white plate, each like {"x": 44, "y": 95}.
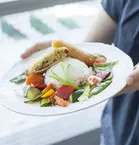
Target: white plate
{"x": 16, "y": 104}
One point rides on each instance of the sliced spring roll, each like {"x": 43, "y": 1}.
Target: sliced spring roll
{"x": 42, "y": 65}
{"x": 75, "y": 52}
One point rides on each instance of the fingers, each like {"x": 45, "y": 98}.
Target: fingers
{"x": 127, "y": 89}
{"x": 134, "y": 77}
{"x": 35, "y": 48}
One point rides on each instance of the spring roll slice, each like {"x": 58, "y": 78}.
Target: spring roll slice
{"x": 75, "y": 52}
{"x": 48, "y": 60}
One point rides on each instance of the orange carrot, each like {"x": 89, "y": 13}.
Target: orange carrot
{"x": 52, "y": 96}
{"x": 61, "y": 101}
{"x": 50, "y": 86}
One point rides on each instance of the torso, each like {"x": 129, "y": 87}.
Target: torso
{"x": 120, "y": 119}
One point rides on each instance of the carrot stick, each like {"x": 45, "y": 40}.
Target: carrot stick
{"x": 50, "y": 86}
{"x": 52, "y": 96}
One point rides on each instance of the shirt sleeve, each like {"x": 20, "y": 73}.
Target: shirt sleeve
{"x": 113, "y": 8}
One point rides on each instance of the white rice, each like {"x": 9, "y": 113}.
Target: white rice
{"x": 77, "y": 72}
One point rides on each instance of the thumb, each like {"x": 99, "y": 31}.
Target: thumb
{"x": 134, "y": 77}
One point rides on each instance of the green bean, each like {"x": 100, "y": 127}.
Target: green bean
{"x": 19, "y": 79}
{"x": 105, "y": 65}
{"x": 44, "y": 102}
{"x": 99, "y": 88}
{"x": 33, "y": 99}
{"x": 109, "y": 77}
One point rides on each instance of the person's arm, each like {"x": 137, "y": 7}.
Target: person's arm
{"x": 36, "y": 47}
{"x": 102, "y": 30}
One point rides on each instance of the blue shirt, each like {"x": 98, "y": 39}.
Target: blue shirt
{"x": 120, "y": 119}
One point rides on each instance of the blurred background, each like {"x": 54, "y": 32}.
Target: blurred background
{"x": 38, "y": 20}
{"x": 25, "y": 22}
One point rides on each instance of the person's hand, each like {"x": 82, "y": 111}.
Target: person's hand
{"x": 35, "y": 48}
{"x": 132, "y": 81}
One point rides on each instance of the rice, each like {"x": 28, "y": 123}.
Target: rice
{"x": 77, "y": 72}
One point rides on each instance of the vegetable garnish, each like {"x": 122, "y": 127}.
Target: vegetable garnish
{"x": 19, "y": 79}
{"x": 99, "y": 88}
{"x": 50, "y": 86}
{"x": 75, "y": 95}
{"x": 45, "y": 102}
{"x": 103, "y": 75}
{"x": 110, "y": 76}
{"x": 85, "y": 95}
{"x": 104, "y": 66}
{"x": 60, "y": 79}
{"x": 32, "y": 92}
{"x": 100, "y": 60}
{"x": 65, "y": 91}
{"x": 48, "y": 94}
{"x": 34, "y": 99}
{"x": 61, "y": 101}
{"x": 65, "y": 81}
{"x": 37, "y": 80}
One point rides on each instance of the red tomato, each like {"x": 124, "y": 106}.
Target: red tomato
{"x": 97, "y": 78}
{"x": 37, "y": 80}
{"x": 65, "y": 91}
{"x": 102, "y": 75}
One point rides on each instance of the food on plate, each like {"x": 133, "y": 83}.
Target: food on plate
{"x": 75, "y": 52}
{"x": 42, "y": 65}
{"x": 70, "y": 71}
{"x": 32, "y": 92}
{"x": 66, "y": 75}
{"x": 37, "y": 80}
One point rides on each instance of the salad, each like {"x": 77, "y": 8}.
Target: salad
{"x": 65, "y": 75}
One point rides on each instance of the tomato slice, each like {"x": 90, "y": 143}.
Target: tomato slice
{"x": 97, "y": 78}
{"x": 103, "y": 75}
{"x": 65, "y": 91}
{"x": 37, "y": 80}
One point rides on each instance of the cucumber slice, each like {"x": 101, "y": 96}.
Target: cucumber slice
{"x": 33, "y": 92}
{"x": 85, "y": 95}
{"x": 75, "y": 95}
{"x": 44, "y": 102}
